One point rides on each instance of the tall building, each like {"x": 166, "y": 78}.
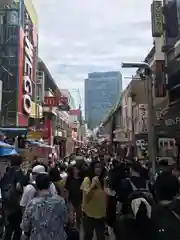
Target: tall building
{"x": 18, "y": 58}
{"x": 102, "y": 90}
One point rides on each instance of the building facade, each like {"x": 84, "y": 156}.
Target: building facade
{"x": 18, "y": 58}
{"x": 102, "y": 90}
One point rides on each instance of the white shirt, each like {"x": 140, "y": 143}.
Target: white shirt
{"x": 30, "y": 191}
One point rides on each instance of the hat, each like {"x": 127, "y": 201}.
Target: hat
{"x": 39, "y": 169}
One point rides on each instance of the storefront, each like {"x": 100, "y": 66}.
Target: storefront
{"x": 168, "y": 131}
{"x": 59, "y": 141}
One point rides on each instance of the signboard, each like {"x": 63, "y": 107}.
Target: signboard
{"x": 35, "y": 135}
{"x": 51, "y": 101}
{"x": 160, "y": 80}
{"x": 171, "y": 122}
{"x": 60, "y": 102}
{"x": 74, "y": 112}
{"x": 55, "y": 101}
{"x": 157, "y": 19}
{"x": 27, "y": 79}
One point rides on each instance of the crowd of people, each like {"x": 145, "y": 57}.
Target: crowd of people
{"x": 96, "y": 193}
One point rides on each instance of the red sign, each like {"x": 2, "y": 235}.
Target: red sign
{"x": 74, "y": 112}
{"x": 55, "y": 101}
{"x": 51, "y": 101}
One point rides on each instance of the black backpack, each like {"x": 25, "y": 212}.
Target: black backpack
{"x": 144, "y": 191}
{"x": 167, "y": 224}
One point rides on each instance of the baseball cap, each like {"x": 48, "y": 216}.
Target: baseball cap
{"x": 39, "y": 169}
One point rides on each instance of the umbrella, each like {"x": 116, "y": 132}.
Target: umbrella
{"x": 5, "y": 145}
{"x": 7, "y": 149}
{"x": 7, "y": 152}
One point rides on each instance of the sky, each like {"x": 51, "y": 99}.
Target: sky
{"x": 82, "y": 36}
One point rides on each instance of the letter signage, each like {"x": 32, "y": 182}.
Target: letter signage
{"x": 28, "y": 76}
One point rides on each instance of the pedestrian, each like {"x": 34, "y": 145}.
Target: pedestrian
{"x": 94, "y": 202}
{"x": 136, "y": 224}
{"x": 45, "y": 216}
{"x": 30, "y": 190}
{"x": 11, "y": 189}
{"x": 73, "y": 184}
{"x": 166, "y": 212}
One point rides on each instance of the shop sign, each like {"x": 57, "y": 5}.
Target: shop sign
{"x": 171, "y": 122}
{"x": 75, "y": 112}
{"x": 28, "y": 77}
{"x": 54, "y": 101}
{"x": 51, "y": 101}
{"x": 37, "y": 135}
{"x": 157, "y": 19}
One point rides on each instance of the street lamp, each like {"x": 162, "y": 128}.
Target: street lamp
{"x": 151, "y": 128}
{"x": 142, "y": 65}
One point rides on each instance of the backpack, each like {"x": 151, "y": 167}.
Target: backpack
{"x": 144, "y": 191}
{"x": 167, "y": 223}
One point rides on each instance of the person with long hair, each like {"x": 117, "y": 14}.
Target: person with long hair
{"x": 73, "y": 183}
{"x": 137, "y": 223}
{"x": 94, "y": 202}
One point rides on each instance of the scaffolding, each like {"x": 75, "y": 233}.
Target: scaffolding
{"x": 9, "y": 36}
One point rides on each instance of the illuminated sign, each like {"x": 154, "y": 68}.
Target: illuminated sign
{"x": 157, "y": 19}
{"x": 28, "y": 76}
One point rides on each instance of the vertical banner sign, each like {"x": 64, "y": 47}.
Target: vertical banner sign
{"x": 160, "y": 80}
{"x": 157, "y": 18}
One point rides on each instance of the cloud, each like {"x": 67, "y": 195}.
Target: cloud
{"x": 82, "y": 36}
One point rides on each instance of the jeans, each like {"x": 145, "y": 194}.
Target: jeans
{"x": 91, "y": 224}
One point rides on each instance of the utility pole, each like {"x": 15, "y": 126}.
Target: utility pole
{"x": 148, "y": 78}
{"x": 151, "y": 122}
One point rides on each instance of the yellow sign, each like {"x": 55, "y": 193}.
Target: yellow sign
{"x": 34, "y": 135}
{"x": 36, "y": 111}
{"x": 32, "y": 12}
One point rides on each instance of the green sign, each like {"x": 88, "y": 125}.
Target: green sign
{"x": 157, "y": 19}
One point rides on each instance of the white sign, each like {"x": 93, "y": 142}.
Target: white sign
{"x": 28, "y": 76}
{"x": 171, "y": 122}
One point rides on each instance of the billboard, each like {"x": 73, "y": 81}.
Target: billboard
{"x": 27, "y": 60}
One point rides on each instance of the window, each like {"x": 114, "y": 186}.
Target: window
{"x": 13, "y": 18}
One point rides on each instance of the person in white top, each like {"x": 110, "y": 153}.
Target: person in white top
{"x": 30, "y": 190}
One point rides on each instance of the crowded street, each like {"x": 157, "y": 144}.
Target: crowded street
{"x": 89, "y": 120}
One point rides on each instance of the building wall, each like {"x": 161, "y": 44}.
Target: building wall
{"x": 140, "y": 115}
{"x": 20, "y": 50}
{"x": 102, "y": 91}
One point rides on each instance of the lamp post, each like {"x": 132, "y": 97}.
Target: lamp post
{"x": 151, "y": 128}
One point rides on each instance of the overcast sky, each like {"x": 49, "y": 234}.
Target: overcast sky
{"x": 82, "y": 36}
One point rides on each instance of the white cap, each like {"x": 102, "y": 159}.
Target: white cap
{"x": 39, "y": 169}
